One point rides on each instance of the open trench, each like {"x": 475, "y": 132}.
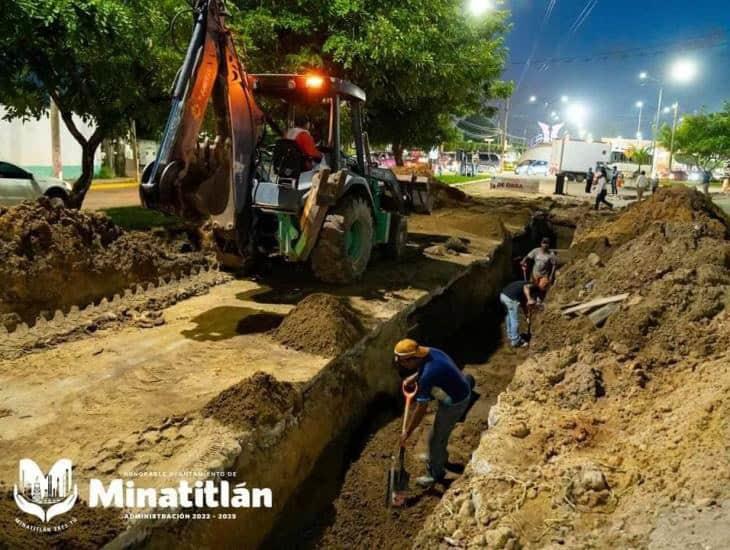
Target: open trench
{"x": 342, "y": 502}
{"x": 326, "y": 464}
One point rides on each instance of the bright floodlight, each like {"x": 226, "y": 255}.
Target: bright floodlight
{"x": 564, "y": 99}
{"x": 480, "y": 7}
{"x": 667, "y": 109}
{"x": 533, "y": 99}
{"x": 639, "y": 104}
{"x": 643, "y": 75}
{"x": 684, "y": 70}
{"x": 576, "y": 113}
{"x": 639, "y": 135}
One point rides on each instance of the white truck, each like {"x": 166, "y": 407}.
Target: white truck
{"x": 573, "y": 158}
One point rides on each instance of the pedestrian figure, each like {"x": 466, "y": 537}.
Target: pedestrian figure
{"x": 641, "y": 184}
{"x": 614, "y": 180}
{"x": 589, "y": 181}
{"x": 601, "y": 190}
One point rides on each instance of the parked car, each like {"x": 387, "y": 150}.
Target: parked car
{"x": 522, "y": 168}
{"x": 677, "y": 175}
{"x": 538, "y": 168}
{"x": 18, "y": 185}
{"x": 488, "y": 162}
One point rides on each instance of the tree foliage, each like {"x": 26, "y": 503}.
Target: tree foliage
{"x": 420, "y": 62}
{"x": 98, "y": 59}
{"x": 640, "y": 156}
{"x": 702, "y": 139}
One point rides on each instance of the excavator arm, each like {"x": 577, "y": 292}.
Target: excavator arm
{"x": 210, "y": 180}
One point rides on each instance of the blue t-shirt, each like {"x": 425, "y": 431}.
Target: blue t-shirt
{"x": 440, "y": 378}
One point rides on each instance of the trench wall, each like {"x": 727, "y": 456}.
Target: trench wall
{"x": 334, "y": 401}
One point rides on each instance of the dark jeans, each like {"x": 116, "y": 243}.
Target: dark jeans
{"x": 589, "y": 184}
{"x": 614, "y": 191}
{"x": 438, "y": 440}
{"x": 601, "y": 198}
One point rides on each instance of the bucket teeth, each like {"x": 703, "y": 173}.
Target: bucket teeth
{"x": 128, "y": 292}
{"x": 21, "y": 329}
{"x": 150, "y": 286}
{"x": 74, "y": 310}
{"x": 139, "y": 289}
{"x": 58, "y": 316}
{"x": 40, "y": 322}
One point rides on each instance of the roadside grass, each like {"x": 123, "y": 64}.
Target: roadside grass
{"x": 138, "y": 218}
{"x": 452, "y": 179}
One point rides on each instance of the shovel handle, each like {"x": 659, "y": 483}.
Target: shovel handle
{"x": 409, "y": 395}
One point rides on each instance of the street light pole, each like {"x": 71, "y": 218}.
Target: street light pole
{"x": 656, "y": 130}
{"x": 674, "y": 128}
{"x": 640, "y": 105}
{"x": 504, "y": 136}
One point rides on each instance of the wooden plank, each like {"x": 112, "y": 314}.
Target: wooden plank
{"x": 587, "y": 306}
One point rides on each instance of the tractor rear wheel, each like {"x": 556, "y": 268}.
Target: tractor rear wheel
{"x": 345, "y": 242}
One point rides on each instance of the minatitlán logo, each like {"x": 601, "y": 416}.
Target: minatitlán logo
{"x": 45, "y": 496}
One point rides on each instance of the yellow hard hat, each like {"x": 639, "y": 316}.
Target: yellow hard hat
{"x": 410, "y": 348}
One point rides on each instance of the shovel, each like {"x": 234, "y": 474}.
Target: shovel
{"x": 398, "y": 477}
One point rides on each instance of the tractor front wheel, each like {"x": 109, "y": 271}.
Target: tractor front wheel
{"x": 345, "y": 242}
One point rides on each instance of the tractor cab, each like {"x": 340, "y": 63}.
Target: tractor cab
{"x": 303, "y": 115}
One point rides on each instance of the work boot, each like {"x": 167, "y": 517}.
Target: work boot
{"x": 425, "y": 481}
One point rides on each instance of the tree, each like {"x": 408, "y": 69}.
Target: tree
{"x": 639, "y": 156}
{"x": 420, "y": 63}
{"x": 101, "y": 60}
{"x": 702, "y": 140}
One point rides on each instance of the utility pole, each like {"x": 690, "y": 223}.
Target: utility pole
{"x": 504, "y": 135}
{"x": 135, "y": 151}
{"x": 674, "y": 127}
{"x": 56, "y": 163}
{"x": 656, "y": 132}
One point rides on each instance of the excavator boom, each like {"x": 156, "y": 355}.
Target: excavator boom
{"x": 212, "y": 180}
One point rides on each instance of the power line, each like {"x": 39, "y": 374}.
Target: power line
{"x": 713, "y": 40}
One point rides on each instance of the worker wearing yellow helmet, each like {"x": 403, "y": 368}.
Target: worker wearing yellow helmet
{"x": 438, "y": 379}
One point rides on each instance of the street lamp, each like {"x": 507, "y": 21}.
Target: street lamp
{"x": 640, "y": 106}
{"x": 675, "y": 106}
{"x": 480, "y": 7}
{"x": 533, "y": 99}
{"x": 564, "y": 99}
{"x": 682, "y": 71}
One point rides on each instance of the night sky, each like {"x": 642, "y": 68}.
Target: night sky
{"x": 649, "y": 34}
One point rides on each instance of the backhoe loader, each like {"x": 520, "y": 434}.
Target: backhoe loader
{"x": 252, "y": 182}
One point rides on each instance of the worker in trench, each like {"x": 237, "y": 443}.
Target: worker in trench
{"x": 521, "y": 294}
{"x": 439, "y": 379}
{"x": 544, "y": 262}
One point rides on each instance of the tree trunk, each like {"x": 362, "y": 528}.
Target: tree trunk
{"x": 82, "y": 184}
{"x": 398, "y": 154}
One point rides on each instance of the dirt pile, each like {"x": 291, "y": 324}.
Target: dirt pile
{"x": 258, "y": 401}
{"x": 52, "y": 258}
{"x": 614, "y": 437}
{"x": 321, "y": 324}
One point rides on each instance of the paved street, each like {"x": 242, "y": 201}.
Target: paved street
{"x": 111, "y": 195}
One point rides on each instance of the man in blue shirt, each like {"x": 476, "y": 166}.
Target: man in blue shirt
{"x": 438, "y": 378}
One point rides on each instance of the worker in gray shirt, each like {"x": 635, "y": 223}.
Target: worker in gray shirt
{"x": 544, "y": 262}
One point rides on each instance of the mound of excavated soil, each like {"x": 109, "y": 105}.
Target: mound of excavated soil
{"x": 675, "y": 208}
{"x": 94, "y": 527}
{"x": 52, "y": 258}
{"x": 261, "y": 400}
{"x": 614, "y": 437}
{"x": 675, "y": 269}
{"x": 320, "y": 324}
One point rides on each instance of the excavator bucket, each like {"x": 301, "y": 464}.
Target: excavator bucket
{"x": 214, "y": 179}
